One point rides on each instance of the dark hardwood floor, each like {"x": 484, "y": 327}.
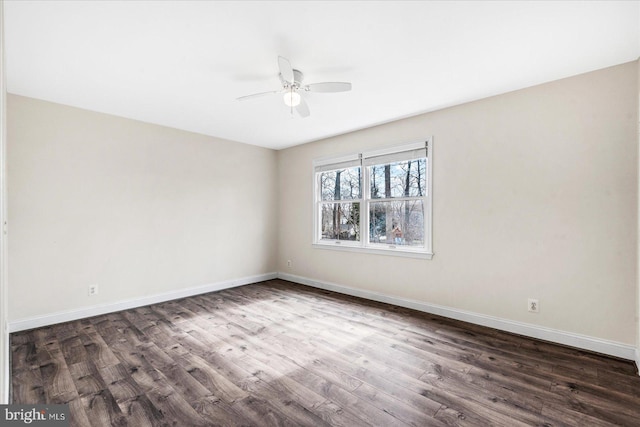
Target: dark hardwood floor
{"x": 279, "y": 354}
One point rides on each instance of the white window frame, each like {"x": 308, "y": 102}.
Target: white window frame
{"x": 354, "y": 159}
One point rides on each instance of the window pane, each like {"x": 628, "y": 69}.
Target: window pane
{"x": 340, "y": 221}
{"x": 341, "y": 184}
{"x": 400, "y": 179}
{"x": 397, "y": 223}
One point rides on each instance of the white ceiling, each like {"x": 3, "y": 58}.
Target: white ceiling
{"x": 182, "y": 64}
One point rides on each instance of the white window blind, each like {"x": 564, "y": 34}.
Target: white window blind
{"x": 395, "y": 157}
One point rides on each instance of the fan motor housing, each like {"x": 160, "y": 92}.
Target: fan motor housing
{"x": 297, "y": 78}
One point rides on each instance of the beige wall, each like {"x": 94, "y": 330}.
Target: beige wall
{"x": 535, "y": 196}
{"x": 136, "y": 208}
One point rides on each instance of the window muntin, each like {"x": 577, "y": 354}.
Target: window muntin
{"x": 376, "y": 201}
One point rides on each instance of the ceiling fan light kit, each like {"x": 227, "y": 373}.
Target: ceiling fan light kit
{"x": 292, "y": 88}
{"x": 292, "y": 99}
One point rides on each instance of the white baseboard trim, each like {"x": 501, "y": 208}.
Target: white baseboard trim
{"x": 638, "y": 359}
{"x": 96, "y": 310}
{"x": 585, "y": 342}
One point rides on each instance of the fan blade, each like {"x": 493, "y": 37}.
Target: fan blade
{"x": 328, "y": 87}
{"x": 286, "y": 70}
{"x": 256, "y": 95}
{"x": 303, "y": 108}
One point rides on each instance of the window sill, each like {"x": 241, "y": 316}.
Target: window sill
{"x": 391, "y": 250}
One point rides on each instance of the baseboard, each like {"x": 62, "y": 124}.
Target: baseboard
{"x": 611, "y": 348}
{"x": 638, "y": 359}
{"x": 96, "y": 310}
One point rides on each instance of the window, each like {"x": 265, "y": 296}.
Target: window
{"x": 378, "y": 201}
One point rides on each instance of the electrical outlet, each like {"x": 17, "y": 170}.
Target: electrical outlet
{"x": 93, "y": 290}
{"x": 289, "y": 264}
{"x": 533, "y": 305}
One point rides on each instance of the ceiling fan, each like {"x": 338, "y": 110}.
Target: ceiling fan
{"x": 292, "y": 88}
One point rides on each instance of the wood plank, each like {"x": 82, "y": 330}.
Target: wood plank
{"x": 218, "y": 413}
{"x": 86, "y": 378}
{"x": 57, "y": 380}
{"x": 77, "y": 414}
{"x": 280, "y": 384}
{"x": 24, "y": 356}
{"x": 216, "y": 384}
{"x": 175, "y": 408}
{"x": 102, "y": 409}
{"x": 97, "y": 349}
{"x": 27, "y": 386}
{"x": 598, "y": 402}
{"x": 261, "y": 412}
{"x": 566, "y": 416}
{"x": 336, "y": 416}
{"x": 139, "y": 411}
{"x": 121, "y": 385}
